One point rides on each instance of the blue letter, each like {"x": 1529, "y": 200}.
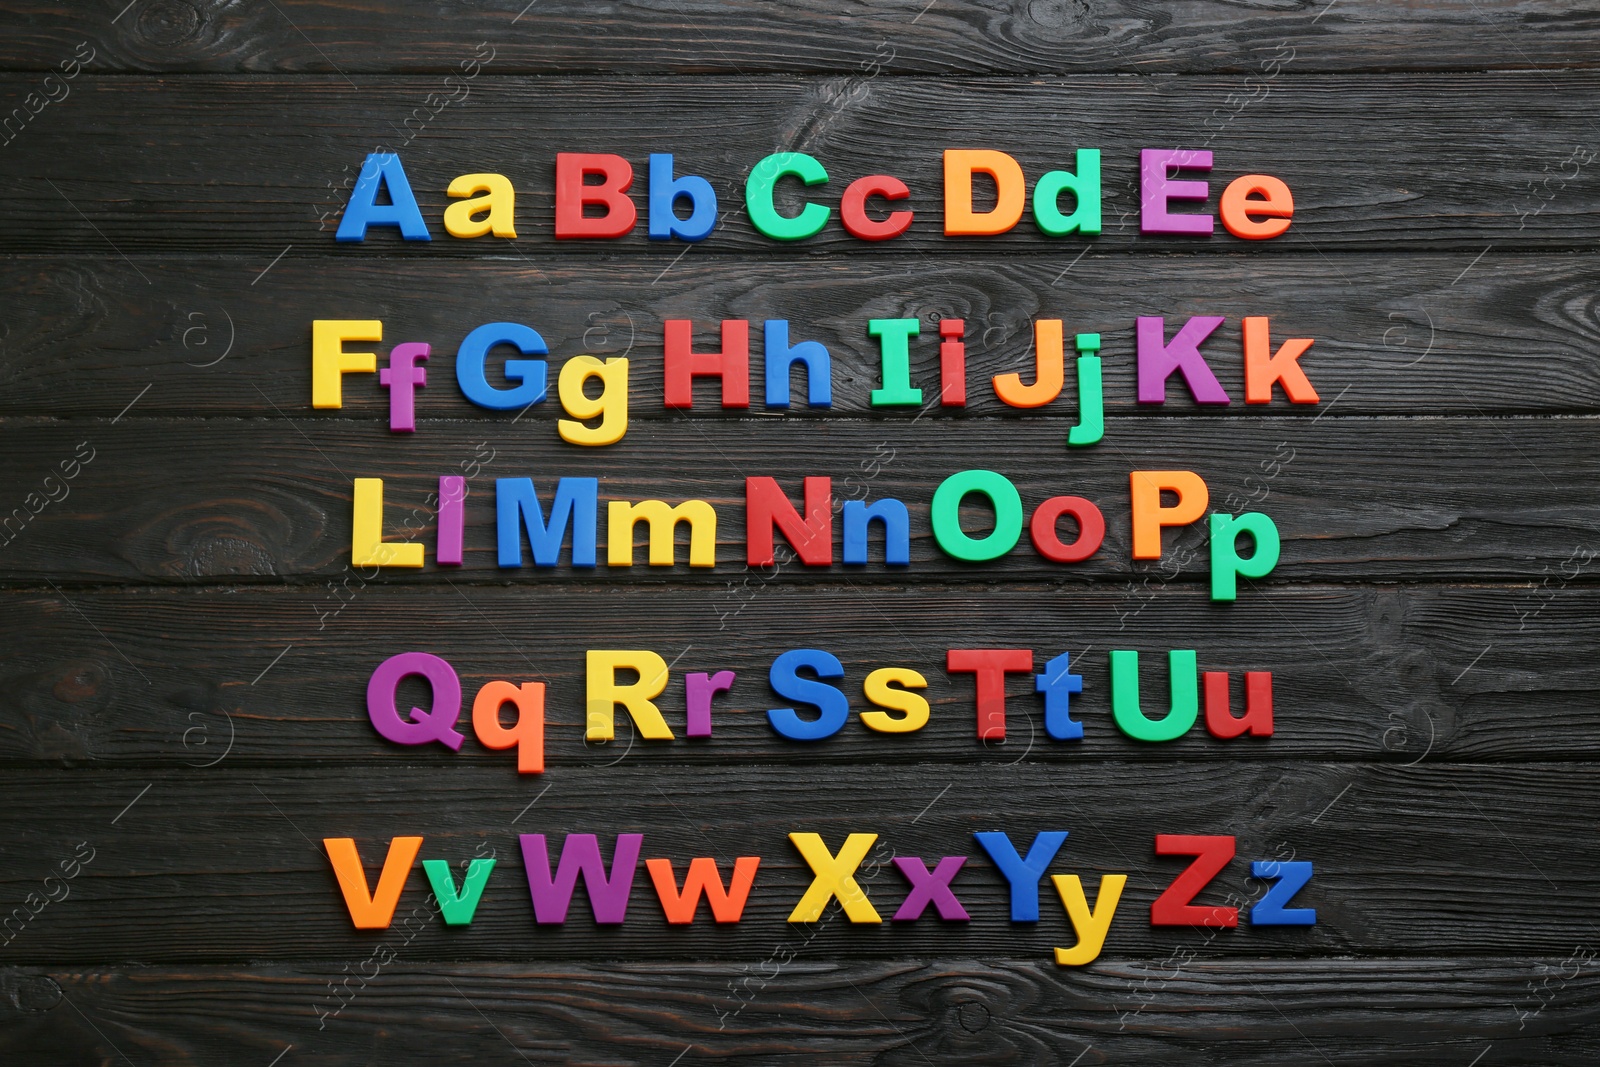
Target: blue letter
{"x": 1023, "y": 874}
{"x": 1057, "y": 683}
{"x": 664, "y": 194}
{"x": 781, "y": 358}
{"x": 517, "y": 509}
{"x": 382, "y": 168}
{"x": 1292, "y": 876}
{"x": 833, "y": 705}
{"x": 530, "y": 372}
{"x": 896, "y": 530}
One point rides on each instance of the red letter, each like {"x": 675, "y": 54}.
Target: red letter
{"x": 853, "y": 205}
{"x": 572, "y": 195}
{"x": 726, "y": 906}
{"x": 766, "y": 505}
{"x": 991, "y": 665}
{"x": 1211, "y": 854}
{"x": 683, "y": 364}
{"x": 952, "y": 363}
{"x": 1257, "y": 719}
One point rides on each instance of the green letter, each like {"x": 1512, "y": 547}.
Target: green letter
{"x": 946, "y": 515}
{"x": 1225, "y": 562}
{"x": 458, "y": 910}
{"x": 1125, "y": 697}
{"x": 758, "y": 196}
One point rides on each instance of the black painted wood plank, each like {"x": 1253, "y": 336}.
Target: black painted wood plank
{"x": 259, "y": 677}
{"x": 260, "y": 166}
{"x": 1393, "y": 335}
{"x": 942, "y": 1010}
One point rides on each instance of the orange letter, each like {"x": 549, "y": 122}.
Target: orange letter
{"x": 527, "y": 734}
{"x": 726, "y": 906}
{"x": 1237, "y": 207}
{"x": 959, "y": 165}
{"x": 1148, "y": 514}
{"x": 372, "y": 912}
{"x": 1262, "y": 368}
{"x": 1050, "y": 356}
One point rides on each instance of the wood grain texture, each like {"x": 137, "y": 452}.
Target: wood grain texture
{"x": 165, "y": 500}
{"x": 226, "y": 866}
{"x": 1393, "y": 335}
{"x": 810, "y": 36}
{"x": 1206, "y": 1011}
{"x": 278, "y": 676}
{"x": 254, "y": 166}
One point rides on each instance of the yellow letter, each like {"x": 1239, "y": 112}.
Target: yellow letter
{"x": 500, "y": 204}
{"x": 1091, "y": 926}
{"x": 835, "y": 877}
{"x": 330, "y": 362}
{"x": 701, "y": 517}
{"x": 612, "y": 409}
{"x": 366, "y": 536}
{"x": 605, "y": 694}
{"x": 878, "y": 691}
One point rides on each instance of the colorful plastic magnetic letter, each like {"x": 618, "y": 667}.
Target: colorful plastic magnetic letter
{"x": 832, "y": 705}
{"x": 1050, "y": 363}
{"x": 858, "y": 515}
{"x": 604, "y": 693}
{"x": 945, "y": 514}
{"x": 1262, "y": 369}
{"x": 894, "y": 342}
{"x": 952, "y": 363}
{"x": 1091, "y": 529}
{"x": 1156, "y": 189}
{"x": 438, "y": 723}
{"x": 1238, "y": 210}
{"x": 990, "y": 665}
{"x": 367, "y": 546}
{"x": 1090, "y": 926}
{"x": 1149, "y": 517}
{"x": 913, "y": 707}
{"x": 402, "y": 377}
{"x": 1085, "y": 189}
{"x": 727, "y": 905}
{"x": 452, "y": 520}
{"x": 330, "y": 362}
{"x": 517, "y": 509}
{"x": 1011, "y": 191}
{"x": 1173, "y": 907}
{"x": 853, "y": 208}
{"x": 834, "y": 877}
{"x": 1158, "y": 359}
{"x": 611, "y": 406}
{"x": 1226, "y": 566}
{"x": 698, "y": 690}
{"x": 531, "y": 373}
{"x": 1058, "y": 684}
{"x": 662, "y": 520}
{"x": 608, "y": 895}
{"x": 499, "y": 202}
{"x": 1023, "y": 874}
{"x": 1257, "y": 717}
{"x": 930, "y": 887}
{"x": 572, "y": 195}
{"x": 371, "y": 911}
{"x": 458, "y": 908}
{"x": 527, "y": 734}
{"x": 666, "y": 191}
{"x": 766, "y": 506}
{"x": 1292, "y": 876}
{"x": 758, "y": 196}
{"x": 682, "y": 364}
{"x": 780, "y": 359}
{"x": 1130, "y": 717}
{"x": 382, "y": 170}
{"x": 1091, "y": 396}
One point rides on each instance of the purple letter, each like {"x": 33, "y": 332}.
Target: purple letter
{"x": 1157, "y": 359}
{"x": 1155, "y": 189}
{"x": 440, "y": 724}
{"x": 698, "y": 689}
{"x": 608, "y": 899}
{"x": 930, "y": 888}
{"x": 401, "y": 377}
{"x": 452, "y": 500}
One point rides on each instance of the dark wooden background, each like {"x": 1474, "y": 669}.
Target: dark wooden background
{"x": 181, "y": 690}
